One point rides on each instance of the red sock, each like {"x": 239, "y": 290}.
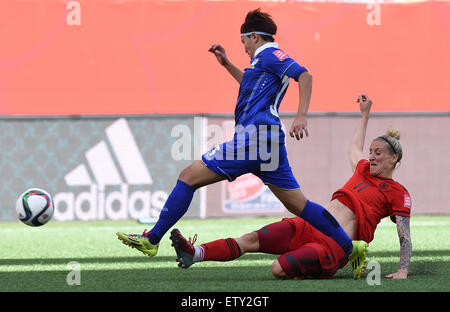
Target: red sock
{"x": 221, "y": 250}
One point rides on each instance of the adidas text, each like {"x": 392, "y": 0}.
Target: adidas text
{"x": 95, "y": 204}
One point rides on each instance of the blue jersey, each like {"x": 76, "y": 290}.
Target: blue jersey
{"x": 263, "y": 86}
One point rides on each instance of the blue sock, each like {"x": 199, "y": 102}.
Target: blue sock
{"x": 175, "y": 207}
{"x": 322, "y": 220}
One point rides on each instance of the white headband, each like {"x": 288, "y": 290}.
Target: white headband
{"x": 256, "y": 32}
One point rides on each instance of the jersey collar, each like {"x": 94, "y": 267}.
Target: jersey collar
{"x": 265, "y": 46}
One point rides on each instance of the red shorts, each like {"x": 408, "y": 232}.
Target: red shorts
{"x": 305, "y": 252}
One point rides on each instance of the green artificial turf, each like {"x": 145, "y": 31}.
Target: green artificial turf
{"x": 37, "y": 259}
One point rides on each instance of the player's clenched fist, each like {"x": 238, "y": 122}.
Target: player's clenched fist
{"x": 220, "y": 54}
{"x": 365, "y": 103}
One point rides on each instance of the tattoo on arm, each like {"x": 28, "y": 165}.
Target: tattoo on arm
{"x": 405, "y": 241}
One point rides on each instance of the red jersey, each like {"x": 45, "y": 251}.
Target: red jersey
{"x": 372, "y": 198}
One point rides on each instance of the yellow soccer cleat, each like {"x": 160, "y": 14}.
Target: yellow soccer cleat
{"x": 140, "y": 242}
{"x": 358, "y": 258}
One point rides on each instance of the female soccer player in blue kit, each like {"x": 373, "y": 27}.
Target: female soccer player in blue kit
{"x": 258, "y": 144}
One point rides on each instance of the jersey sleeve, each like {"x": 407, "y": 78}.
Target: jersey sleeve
{"x": 280, "y": 64}
{"x": 401, "y": 205}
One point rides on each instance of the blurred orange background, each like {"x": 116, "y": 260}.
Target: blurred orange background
{"x": 149, "y": 56}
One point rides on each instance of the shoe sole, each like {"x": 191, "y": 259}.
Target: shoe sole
{"x": 138, "y": 246}
{"x": 175, "y": 238}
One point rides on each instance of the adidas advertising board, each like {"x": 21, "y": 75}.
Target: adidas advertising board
{"x": 122, "y": 203}
{"x": 95, "y": 168}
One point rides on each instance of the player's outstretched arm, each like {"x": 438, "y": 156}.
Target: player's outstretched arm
{"x": 405, "y": 248}
{"x": 357, "y": 143}
{"x": 223, "y": 60}
{"x": 299, "y": 125}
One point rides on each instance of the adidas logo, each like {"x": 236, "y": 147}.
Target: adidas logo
{"x": 119, "y": 166}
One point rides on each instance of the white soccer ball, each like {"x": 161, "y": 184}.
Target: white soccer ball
{"x": 34, "y": 207}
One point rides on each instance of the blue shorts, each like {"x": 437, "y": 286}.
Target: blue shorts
{"x": 237, "y": 157}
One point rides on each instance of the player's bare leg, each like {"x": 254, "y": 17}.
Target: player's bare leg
{"x": 224, "y": 249}
{"x": 293, "y": 200}
{"x": 198, "y": 175}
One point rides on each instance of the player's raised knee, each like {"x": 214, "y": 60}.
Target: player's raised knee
{"x": 198, "y": 175}
{"x": 193, "y": 175}
{"x": 185, "y": 175}
{"x": 277, "y": 270}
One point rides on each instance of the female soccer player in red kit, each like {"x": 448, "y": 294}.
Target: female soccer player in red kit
{"x": 368, "y": 196}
